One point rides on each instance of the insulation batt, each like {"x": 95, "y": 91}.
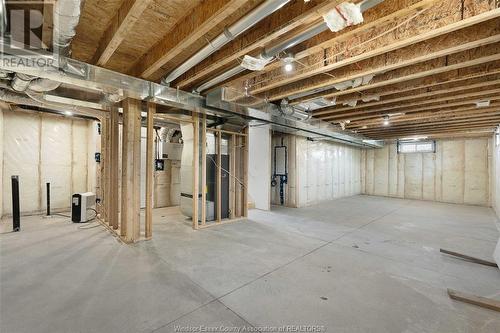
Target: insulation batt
{"x": 342, "y": 16}
{"x": 254, "y": 64}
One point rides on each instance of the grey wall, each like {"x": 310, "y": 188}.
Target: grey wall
{"x": 459, "y": 172}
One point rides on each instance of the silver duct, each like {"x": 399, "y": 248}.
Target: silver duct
{"x": 66, "y": 18}
{"x": 3, "y": 18}
{"x": 255, "y": 16}
{"x": 21, "y": 99}
{"x": 271, "y": 52}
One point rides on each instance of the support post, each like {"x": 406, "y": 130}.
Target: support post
{"x": 218, "y": 136}
{"x": 16, "y": 211}
{"x": 131, "y": 173}
{"x": 149, "y": 170}
{"x": 196, "y": 170}
{"x": 204, "y": 170}
{"x": 245, "y": 172}
{"x": 114, "y": 169}
{"x": 232, "y": 177}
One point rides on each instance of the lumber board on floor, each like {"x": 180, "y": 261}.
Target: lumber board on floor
{"x": 469, "y": 258}
{"x": 483, "y": 302}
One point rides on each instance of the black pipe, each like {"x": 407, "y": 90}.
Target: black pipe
{"x": 48, "y": 199}
{"x": 16, "y": 213}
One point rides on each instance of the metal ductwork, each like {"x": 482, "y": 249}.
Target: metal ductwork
{"x": 255, "y": 16}
{"x": 270, "y": 52}
{"x": 21, "y": 99}
{"x": 66, "y": 18}
{"x": 3, "y": 18}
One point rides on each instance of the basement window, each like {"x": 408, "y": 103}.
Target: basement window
{"x": 407, "y": 147}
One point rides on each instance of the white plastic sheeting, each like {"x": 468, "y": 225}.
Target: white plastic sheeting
{"x": 1, "y": 155}
{"x": 254, "y": 64}
{"x": 342, "y": 16}
{"x": 187, "y": 169}
{"x": 495, "y": 183}
{"x": 319, "y": 171}
{"x": 43, "y": 148}
{"x": 457, "y": 173}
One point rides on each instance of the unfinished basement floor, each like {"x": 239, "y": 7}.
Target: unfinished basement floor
{"x": 359, "y": 264}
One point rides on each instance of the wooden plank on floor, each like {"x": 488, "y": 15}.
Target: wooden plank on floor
{"x": 483, "y": 302}
{"x": 469, "y": 258}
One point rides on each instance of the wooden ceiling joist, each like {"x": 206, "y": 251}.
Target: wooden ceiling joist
{"x": 200, "y": 21}
{"x": 373, "y": 19}
{"x": 292, "y": 17}
{"x": 424, "y": 116}
{"x": 434, "y": 42}
{"x": 463, "y": 99}
{"x": 118, "y": 29}
{"x": 362, "y": 106}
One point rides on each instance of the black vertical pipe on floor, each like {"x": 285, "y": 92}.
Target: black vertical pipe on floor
{"x": 16, "y": 213}
{"x": 48, "y": 199}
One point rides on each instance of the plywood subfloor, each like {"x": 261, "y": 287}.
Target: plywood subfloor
{"x": 355, "y": 264}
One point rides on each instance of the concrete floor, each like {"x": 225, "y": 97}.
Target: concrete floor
{"x": 359, "y": 264}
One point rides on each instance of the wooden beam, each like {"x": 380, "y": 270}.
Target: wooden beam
{"x": 196, "y": 169}
{"x": 150, "y": 161}
{"x": 405, "y": 78}
{"x": 470, "y": 98}
{"x": 131, "y": 170}
{"x": 425, "y": 83}
{"x": 295, "y": 14}
{"x": 115, "y": 168}
{"x": 469, "y": 258}
{"x": 483, "y": 302}
{"x": 425, "y": 95}
{"x": 435, "y": 45}
{"x": 198, "y": 23}
{"x": 118, "y": 29}
{"x": 355, "y": 73}
{"x": 204, "y": 170}
{"x": 317, "y": 46}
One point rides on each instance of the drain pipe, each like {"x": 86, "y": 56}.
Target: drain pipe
{"x": 271, "y": 52}
{"x": 255, "y": 16}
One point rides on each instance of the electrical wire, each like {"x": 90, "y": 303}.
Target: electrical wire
{"x": 230, "y": 174}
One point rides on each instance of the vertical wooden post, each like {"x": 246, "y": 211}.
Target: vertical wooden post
{"x": 232, "y": 177}
{"x": 204, "y": 171}
{"x": 131, "y": 170}
{"x": 219, "y": 175}
{"x": 114, "y": 168}
{"x": 104, "y": 169}
{"x": 196, "y": 170}
{"x": 149, "y": 171}
{"x": 245, "y": 173}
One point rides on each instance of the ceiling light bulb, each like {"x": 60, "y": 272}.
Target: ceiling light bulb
{"x": 386, "y": 121}
{"x": 68, "y": 113}
{"x": 288, "y": 67}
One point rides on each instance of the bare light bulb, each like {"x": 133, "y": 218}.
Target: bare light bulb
{"x": 68, "y": 113}
{"x": 288, "y": 67}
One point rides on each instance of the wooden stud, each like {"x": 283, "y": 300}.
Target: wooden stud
{"x": 150, "y": 138}
{"x": 483, "y": 302}
{"x": 232, "y": 177}
{"x": 131, "y": 173}
{"x": 218, "y": 138}
{"x": 196, "y": 170}
{"x": 204, "y": 171}
{"x": 115, "y": 168}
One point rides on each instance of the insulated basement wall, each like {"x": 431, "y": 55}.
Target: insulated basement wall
{"x": 259, "y": 166}
{"x": 495, "y": 187}
{"x": 457, "y": 173}
{"x": 1, "y": 155}
{"x": 318, "y": 171}
{"x": 43, "y": 148}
